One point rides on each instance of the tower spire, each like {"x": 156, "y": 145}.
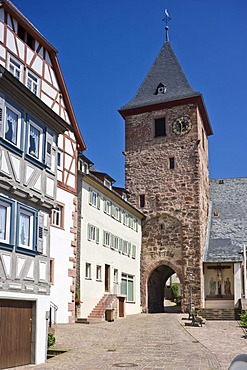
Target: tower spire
{"x": 166, "y": 19}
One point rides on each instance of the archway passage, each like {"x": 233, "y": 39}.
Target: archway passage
{"x": 156, "y": 288}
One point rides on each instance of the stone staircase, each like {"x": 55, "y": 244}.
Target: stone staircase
{"x": 219, "y": 314}
{"x": 98, "y": 313}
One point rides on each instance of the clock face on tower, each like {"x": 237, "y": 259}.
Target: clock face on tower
{"x": 181, "y": 125}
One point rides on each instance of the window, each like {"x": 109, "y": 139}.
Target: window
{"x": 116, "y": 212}
{"x": 35, "y": 140}
{"x": 142, "y": 200}
{"x": 107, "y": 239}
{"x": 160, "y": 127}
{"x": 135, "y": 224}
{"x": 115, "y": 276}
{"x": 26, "y": 228}
{"x": 12, "y": 126}
{"x": 127, "y": 287}
{"x": 107, "y": 206}
{"x": 125, "y": 247}
{"x": 32, "y": 83}
{"x": 59, "y": 159}
{"x": 93, "y": 233}
{"x": 88, "y": 271}
{"x": 133, "y": 255}
{"x": 125, "y": 219}
{"x": 15, "y": 67}
{"x": 172, "y": 163}
{"x": 98, "y": 273}
{"x": 114, "y": 242}
{"x": 94, "y": 198}
{"x": 6, "y": 221}
{"x": 107, "y": 183}
{"x": 57, "y": 216}
{"x": 52, "y": 271}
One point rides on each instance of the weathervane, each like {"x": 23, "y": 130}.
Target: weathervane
{"x": 166, "y": 19}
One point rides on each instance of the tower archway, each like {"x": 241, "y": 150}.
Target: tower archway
{"x": 155, "y": 280}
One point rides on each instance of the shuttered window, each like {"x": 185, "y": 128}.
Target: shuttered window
{"x": 160, "y": 127}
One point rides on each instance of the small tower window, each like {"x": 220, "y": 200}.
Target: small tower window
{"x": 160, "y": 127}
{"x": 161, "y": 89}
{"x": 142, "y": 200}
{"x": 172, "y": 163}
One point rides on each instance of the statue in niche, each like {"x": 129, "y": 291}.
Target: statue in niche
{"x": 227, "y": 287}
{"x": 219, "y": 278}
{"x": 212, "y": 286}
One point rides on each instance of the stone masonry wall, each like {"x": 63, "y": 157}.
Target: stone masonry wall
{"x": 176, "y": 200}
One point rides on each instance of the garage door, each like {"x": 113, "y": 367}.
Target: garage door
{"x": 16, "y": 333}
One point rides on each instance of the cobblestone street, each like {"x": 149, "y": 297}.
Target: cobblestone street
{"x": 157, "y": 341}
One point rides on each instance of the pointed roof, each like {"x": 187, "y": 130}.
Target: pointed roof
{"x": 167, "y": 71}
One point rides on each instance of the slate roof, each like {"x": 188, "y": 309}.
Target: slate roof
{"x": 167, "y": 71}
{"x": 227, "y": 221}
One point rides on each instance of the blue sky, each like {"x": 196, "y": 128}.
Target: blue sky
{"x": 107, "y": 47}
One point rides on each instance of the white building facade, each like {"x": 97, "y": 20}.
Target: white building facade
{"x": 109, "y": 247}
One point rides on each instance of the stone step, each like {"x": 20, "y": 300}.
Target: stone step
{"x": 219, "y": 314}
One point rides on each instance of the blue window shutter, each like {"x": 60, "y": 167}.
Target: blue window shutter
{"x": 40, "y": 232}
{"x": 2, "y": 103}
{"x": 48, "y": 147}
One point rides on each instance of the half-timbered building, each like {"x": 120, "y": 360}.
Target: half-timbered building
{"x": 39, "y": 140}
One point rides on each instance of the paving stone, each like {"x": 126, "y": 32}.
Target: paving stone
{"x": 147, "y": 342}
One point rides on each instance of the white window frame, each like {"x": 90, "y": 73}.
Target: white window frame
{"x": 98, "y": 273}
{"x": 107, "y": 239}
{"x": 108, "y": 184}
{"x": 128, "y": 279}
{"x": 31, "y": 84}
{"x": 30, "y": 214}
{"x": 93, "y": 233}
{"x": 88, "y": 271}
{"x": 107, "y": 206}
{"x": 115, "y": 242}
{"x": 18, "y": 128}
{"x": 94, "y": 198}
{"x": 57, "y": 216}
{"x": 60, "y": 166}
{"x": 15, "y": 67}
{"x": 8, "y": 207}
{"x": 41, "y": 140}
{"x": 115, "y": 276}
{"x": 133, "y": 251}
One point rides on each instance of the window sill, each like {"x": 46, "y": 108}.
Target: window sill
{"x": 88, "y": 278}
{"x": 12, "y": 147}
{"x": 7, "y": 247}
{"x": 30, "y": 252}
{"x": 35, "y": 161}
{"x": 58, "y": 227}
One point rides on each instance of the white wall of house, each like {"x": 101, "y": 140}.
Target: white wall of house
{"x": 60, "y": 252}
{"x": 97, "y": 254}
{"x": 237, "y": 282}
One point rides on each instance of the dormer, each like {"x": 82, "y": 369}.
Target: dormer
{"x": 104, "y": 177}
{"x": 84, "y": 164}
{"x": 161, "y": 89}
{"x": 122, "y": 192}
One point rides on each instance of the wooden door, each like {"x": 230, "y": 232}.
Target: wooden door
{"x": 16, "y": 333}
{"x": 107, "y": 278}
{"x": 121, "y": 306}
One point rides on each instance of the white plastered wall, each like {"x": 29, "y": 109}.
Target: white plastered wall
{"x": 97, "y": 254}
{"x": 61, "y": 251}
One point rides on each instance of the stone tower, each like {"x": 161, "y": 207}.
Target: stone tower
{"x": 166, "y": 173}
